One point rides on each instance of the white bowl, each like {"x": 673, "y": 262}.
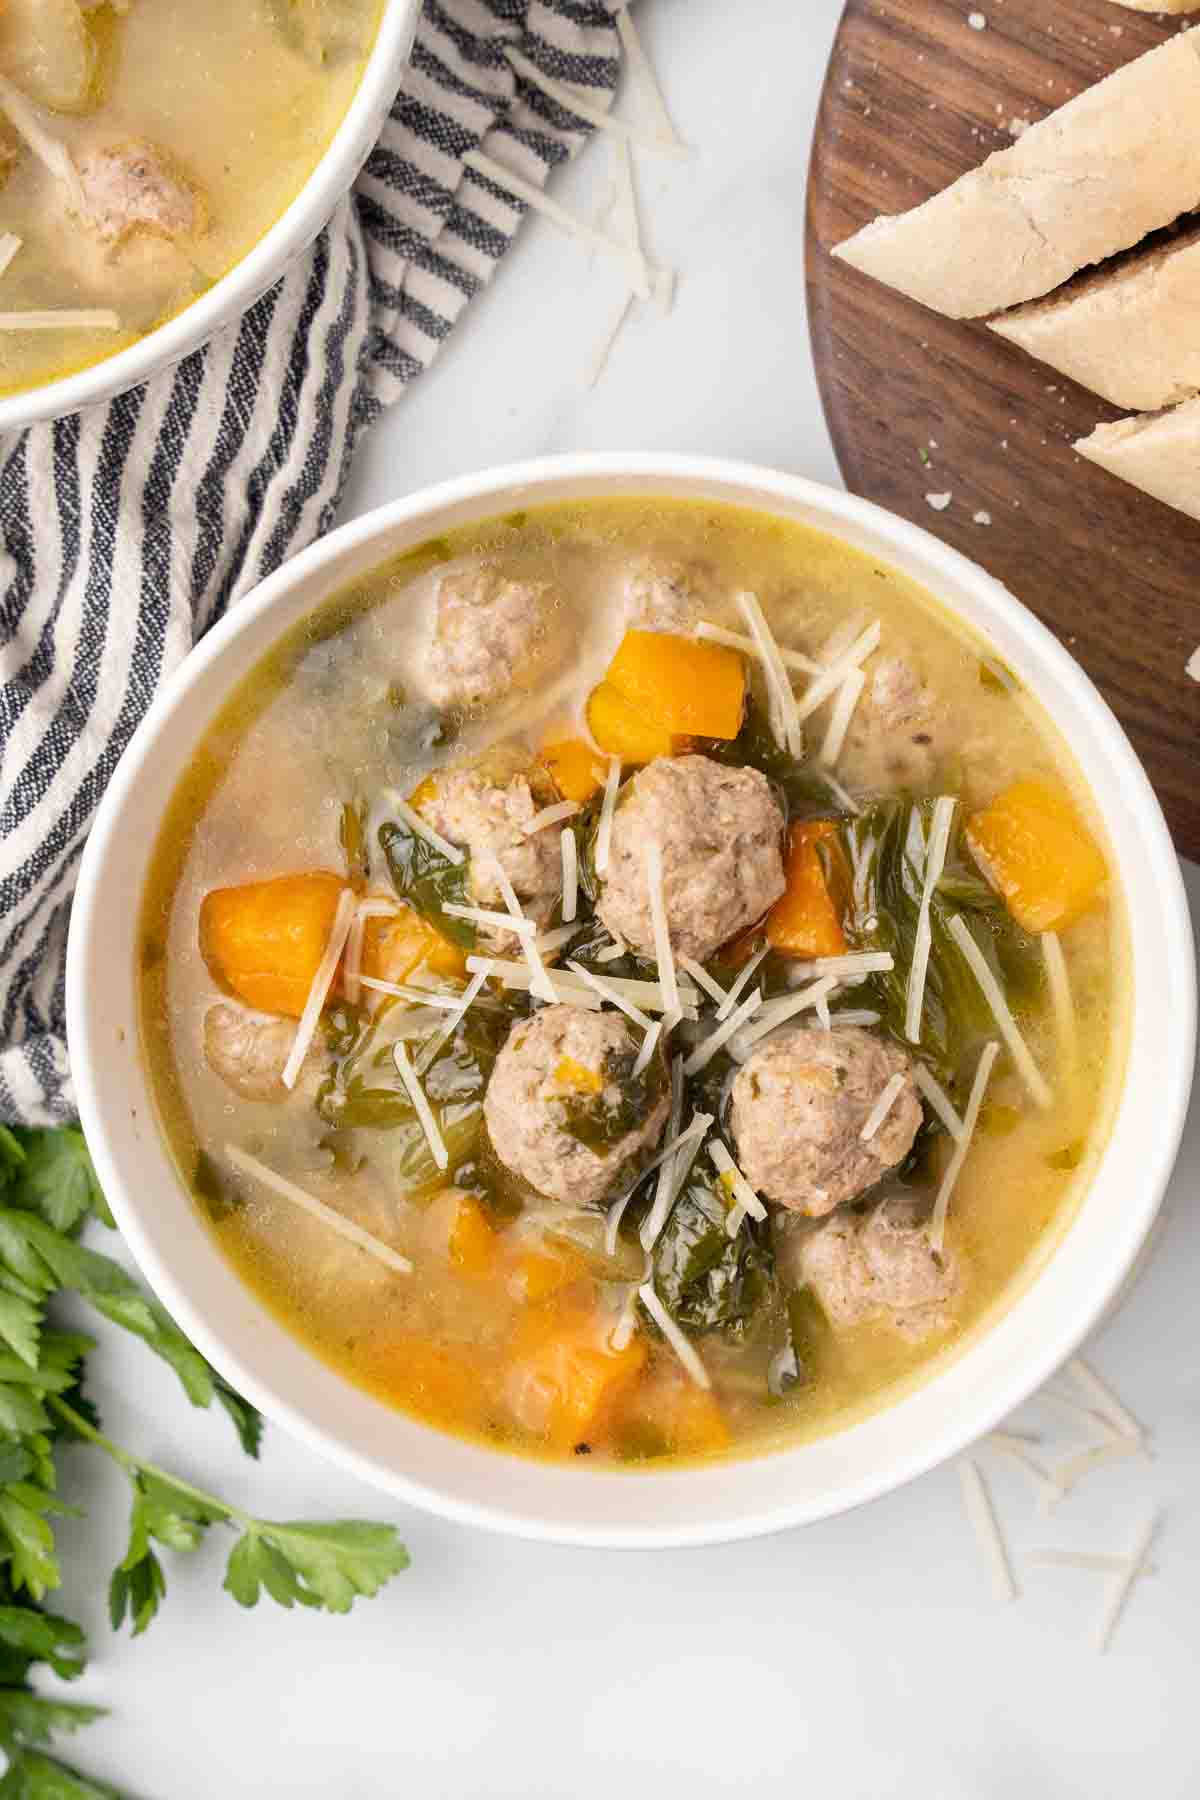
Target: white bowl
{"x": 584, "y": 1504}
{"x": 261, "y": 266}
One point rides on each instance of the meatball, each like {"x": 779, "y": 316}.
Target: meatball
{"x": 895, "y": 738}
{"x": 663, "y": 596}
{"x": 878, "y": 1265}
{"x": 798, "y": 1109}
{"x": 249, "y": 1052}
{"x": 485, "y": 807}
{"x": 492, "y": 636}
{"x": 133, "y": 188}
{"x": 563, "y": 1108}
{"x": 720, "y": 832}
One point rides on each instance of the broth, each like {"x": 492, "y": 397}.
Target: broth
{"x": 216, "y": 114}
{"x": 505, "y": 1328}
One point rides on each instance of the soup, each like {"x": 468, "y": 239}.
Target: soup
{"x": 144, "y": 149}
{"x": 634, "y": 981}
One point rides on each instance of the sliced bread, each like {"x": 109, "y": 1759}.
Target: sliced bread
{"x": 1120, "y": 160}
{"x": 1159, "y": 453}
{"x": 1130, "y": 332}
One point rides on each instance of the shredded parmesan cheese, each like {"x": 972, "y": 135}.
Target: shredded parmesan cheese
{"x": 729, "y": 1002}
{"x": 784, "y": 716}
{"x": 453, "y": 1022}
{"x": 482, "y": 915}
{"x": 416, "y": 823}
{"x": 666, "y": 138}
{"x": 941, "y": 1206}
{"x": 317, "y": 1209}
{"x": 608, "y": 807}
{"x": 656, "y": 1218}
{"x": 737, "y": 640}
{"x": 10, "y": 243}
{"x": 882, "y": 1106}
{"x": 570, "y": 874}
{"x": 712, "y": 988}
{"x": 634, "y": 264}
{"x": 550, "y": 815}
{"x": 857, "y": 1015}
{"x": 339, "y": 931}
{"x": 551, "y": 941}
{"x": 1026, "y": 1068}
{"x": 649, "y": 1045}
{"x": 849, "y": 695}
{"x": 982, "y": 1515}
{"x": 725, "y": 1166}
{"x": 670, "y": 1330}
{"x": 777, "y": 1012}
{"x": 935, "y": 862}
{"x": 608, "y": 992}
{"x": 1089, "y": 1383}
{"x": 421, "y": 1106}
{"x": 704, "y": 1052}
{"x": 1098, "y": 1561}
{"x": 1010, "y": 1445}
{"x": 417, "y": 996}
{"x": 1121, "y": 1585}
{"x": 569, "y": 989}
{"x": 1071, "y": 1471}
{"x": 67, "y": 318}
{"x": 611, "y": 952}
{"x": 836, "y": 672}
{"x": 663, "y": 953}
{"x": 940, "y": 1101}
{"x": 1059, "y": 983}
{"x": 571, "y": 99}
{"x": 49, "y": 150}
{"x": 850, "y": 967}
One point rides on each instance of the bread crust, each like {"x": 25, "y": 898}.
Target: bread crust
{"x": 1159, "y": 453}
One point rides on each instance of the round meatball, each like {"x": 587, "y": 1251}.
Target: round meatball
{"x": 895, "y": 737}
{"x": 720, "y": 832}
{"x": 485, "y": 807}
{"x": 663, "y": 596}
{"x": 249, "y": 1052}
{"x": 492, "y": 637}
{"x": 564, "y": 1110}
{"x": 799, "y": 1107}
{"x": 879, "y": 1265}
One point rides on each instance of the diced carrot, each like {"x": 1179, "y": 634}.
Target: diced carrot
{"x": 804, "y": 921}
{"x": 423, "y": 791}
{"x": 687, "y": 1418}
{"x": 472, "y": 1241}
{"x": 562, "y": 1383}
{"x": 578, "y": 770}
{"x": 1036, "y": 851}
{"x": 442, "y": 1382}
{"x": 570, "y": 1073}
{"x": 394, "y": 947}
{"x": 690, "y": 687}
{"x": 623, "y": 729}
{"x": 264, "y": 940}
{"x": 538, "y": 1274}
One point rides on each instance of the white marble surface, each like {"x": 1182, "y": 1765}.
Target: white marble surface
{"x": 862, "y": 1657}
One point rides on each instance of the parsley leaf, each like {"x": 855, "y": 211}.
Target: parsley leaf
{"x": 327, "y": 1565}
{"x": 32, "y": 1776}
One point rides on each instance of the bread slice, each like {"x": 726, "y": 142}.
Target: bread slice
{"x": 1118, "y": 161}
{"x": 1130, "y": 332}
{"x": 1159, "y": 453}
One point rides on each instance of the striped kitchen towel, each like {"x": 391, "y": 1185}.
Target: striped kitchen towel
{"x": 127, "y": 530}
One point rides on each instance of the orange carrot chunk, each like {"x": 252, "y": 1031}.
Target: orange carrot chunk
{"x": 264, "y": 940}
{"x": 472, "y": 1242}
{"x": 622, "y": 728}
{"x": 578, "y": 770}
{"x": 692, "y": 688}
{"x": 395, "y": 947}
{"x": 805, "y": 921}
{"x": 562, "y": 1383}
{"x": 1036, "y": 851}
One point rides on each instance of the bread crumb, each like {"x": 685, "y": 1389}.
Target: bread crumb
{"x": 985, "y": 518}
{"x": 939, "y": 502}
{"x": 1018, "y": 127}
{"x": 977, "y": 21}
{"x": 1192, "y": 664}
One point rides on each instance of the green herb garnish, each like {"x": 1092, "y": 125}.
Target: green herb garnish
{"x": 48, "y": 1191}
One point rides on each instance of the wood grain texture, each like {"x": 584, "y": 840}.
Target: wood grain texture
{"x": 913, "y": 98}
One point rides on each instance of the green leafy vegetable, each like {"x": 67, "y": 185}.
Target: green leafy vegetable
{"x": 425, "y": 878}
{"x": 600, "y": 1120}
{"x": 885, "y": 849}
{"x": 804, "y": 787}
{"x": 706, "y": 1280}
{"x": 48, "y": 1190}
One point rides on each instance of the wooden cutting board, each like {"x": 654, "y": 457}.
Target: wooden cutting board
{"x": 921, "y": 405}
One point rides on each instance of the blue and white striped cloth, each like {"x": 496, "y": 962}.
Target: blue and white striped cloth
{"x": 127, "y": 530}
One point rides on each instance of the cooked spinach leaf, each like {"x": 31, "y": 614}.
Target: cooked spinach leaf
{"x": 706, "y": 1280}
{"x": 598, "y": 1120}
{"x": 803, "y": 787}
{"x": 425, "y": 878}
{"x": 885, "y": 850}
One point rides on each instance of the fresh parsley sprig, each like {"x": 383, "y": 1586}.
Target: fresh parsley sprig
{"x": 48, "y": 1190}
